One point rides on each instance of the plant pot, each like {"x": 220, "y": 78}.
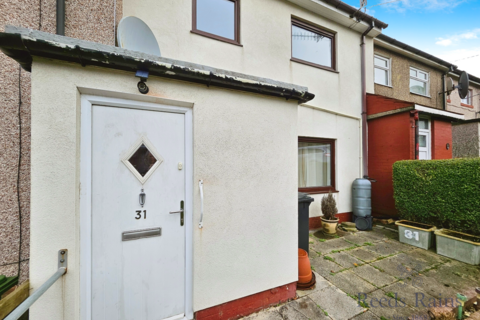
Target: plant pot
{"x": 415, "y": 234}
{"x": 329, "y": 226}
{"x": 304, "y": 269}
{"x": 459, "y": 246}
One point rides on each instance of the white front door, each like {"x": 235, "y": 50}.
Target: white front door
{"x": 424, "y": 139}
{"x": 138, "y": 251}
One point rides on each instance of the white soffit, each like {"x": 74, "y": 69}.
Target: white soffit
{"x": 439, "y": 112}
{"x": 406, "y": 53}
{"x": 328, "y": 11}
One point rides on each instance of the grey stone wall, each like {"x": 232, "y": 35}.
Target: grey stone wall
{"x": 466, "y": 140}
{"x": 92, "y": 20}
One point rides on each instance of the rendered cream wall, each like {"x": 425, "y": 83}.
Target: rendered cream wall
{"x": 266, "y": 52}
{"x": 249, "y": 168}
{"x": 314, "y": 123}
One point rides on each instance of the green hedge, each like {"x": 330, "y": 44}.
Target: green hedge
{"x": 444, "y": 193}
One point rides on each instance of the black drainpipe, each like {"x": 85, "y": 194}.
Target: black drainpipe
{"x": 364, "y": 103}
{"x": 61, "y": 17}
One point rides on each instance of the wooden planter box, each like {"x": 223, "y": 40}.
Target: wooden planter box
{"x": 459, "y": 246}
{"x": 416, "y": 234}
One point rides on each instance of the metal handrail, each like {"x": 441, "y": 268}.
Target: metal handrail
{"x": 25, "y": 305}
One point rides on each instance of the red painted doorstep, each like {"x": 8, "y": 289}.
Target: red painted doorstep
{"x": 316, "y": 222}
{"x": 247, "y": 305}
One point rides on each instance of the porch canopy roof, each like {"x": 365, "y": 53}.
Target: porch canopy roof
{"x": 22, "y": 44}
{"x": 379, "y": 106}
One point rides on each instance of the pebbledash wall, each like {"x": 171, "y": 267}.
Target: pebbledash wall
{"x": 265, "y": 36}
{"x": 249, "y": 240}
{"x": 92, "y": 20}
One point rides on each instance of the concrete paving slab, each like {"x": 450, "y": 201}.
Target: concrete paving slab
{"x": 374, "y": 276}
{"x": 363, "y": 254}
{"x": 346, "y": 260}
{"x": 411, "y": 262}
{"x": 358, "y": 239}
{"x": 321, "y": 282}
{"x": 268, "y": 314}
{"x": 430, "y": 257}
{"x": 330, "y": 245}
{"x": 415, "y": 297}
{"x": 289, "y": 312}
{"x": 372, "y": 235}
{"x": 324, "y": 267}
{"x": 465, "y": 270}
{"x": 309, "y": 309}
{"x": 349, "y": 282}
{"x": 400, "y": 266}
{"x": 435, "y": 288}
{"x": 383, "y": 248}
{"x": 338, "y": 305}
{"x": 386, "y": 232}
{"x": 379, "y": 305}
{"x": 451, "y": 277}
{"x": 403, "y": 247}
{"x": 367, "y": 315}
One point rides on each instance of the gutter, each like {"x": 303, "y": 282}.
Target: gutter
{"x": 354, "y": 12}
{"x": 364, "y": 102}
{"x": 423, "y": 54}
{"x": 22, "y": 44}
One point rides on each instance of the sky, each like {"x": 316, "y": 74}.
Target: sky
{"x": 448, "y": 29}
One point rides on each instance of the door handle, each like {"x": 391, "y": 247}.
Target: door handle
{"x": 182, "y": 213}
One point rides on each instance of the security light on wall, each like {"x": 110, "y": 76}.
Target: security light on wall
{"x": 134, "y": 34}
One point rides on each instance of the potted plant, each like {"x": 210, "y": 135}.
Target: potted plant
{"x": 415, "y": 233}
{"x": 458, "y": 245}
{"x": 329, "y": 210}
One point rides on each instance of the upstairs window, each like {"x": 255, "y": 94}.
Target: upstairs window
{"x": 419, "y": 82}
{"x": 312, "y": 45}
{"x": 468, "y": 98}
{"x": 382, "y": 70}
{"x": 217, "y": 19}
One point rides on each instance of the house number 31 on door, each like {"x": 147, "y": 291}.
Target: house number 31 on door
{"x": 411, "y": 234}
{"x": 139, "y": 214}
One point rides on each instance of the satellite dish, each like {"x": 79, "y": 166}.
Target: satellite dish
{"x": 463, "y": 85}
{"x": 450, "y": 85}
{"x": 134, "y": 34}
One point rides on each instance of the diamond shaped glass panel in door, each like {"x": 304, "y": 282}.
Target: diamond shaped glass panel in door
{"x": 142, "y": 160}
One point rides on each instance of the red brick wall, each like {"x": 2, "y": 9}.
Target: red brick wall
{"x": 390, "y": 139}
{"x": 441, "y": 135}
{"x": 377, "y": 104}
{"x": 247, "y": 305}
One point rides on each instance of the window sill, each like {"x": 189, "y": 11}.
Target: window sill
{"x": 421, "y": 95}
{"x": 318, "y": 191}
{"x": 466, "y": 105}
{"x": 314, "y": 65}
{"x": 384, "y": 85}
{"x": 215, "y": 37}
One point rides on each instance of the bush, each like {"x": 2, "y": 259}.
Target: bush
{"x": 443, "y": 193}
{"x": 329, "y": 207}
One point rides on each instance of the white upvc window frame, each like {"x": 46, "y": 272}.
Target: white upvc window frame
{"x": 468, "y": 99}
{"x": 388, "y": 69}
{"x": 427, "y": 81}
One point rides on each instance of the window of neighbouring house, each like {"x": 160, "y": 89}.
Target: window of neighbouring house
{"x": 312, "y": 46}
{"x": 316, "y": 165}
{"x": 419, "y": 82}
{"x": 382, "y": 70}
{"x": 218, "y": 19}
{"x": 468, "y": 99}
